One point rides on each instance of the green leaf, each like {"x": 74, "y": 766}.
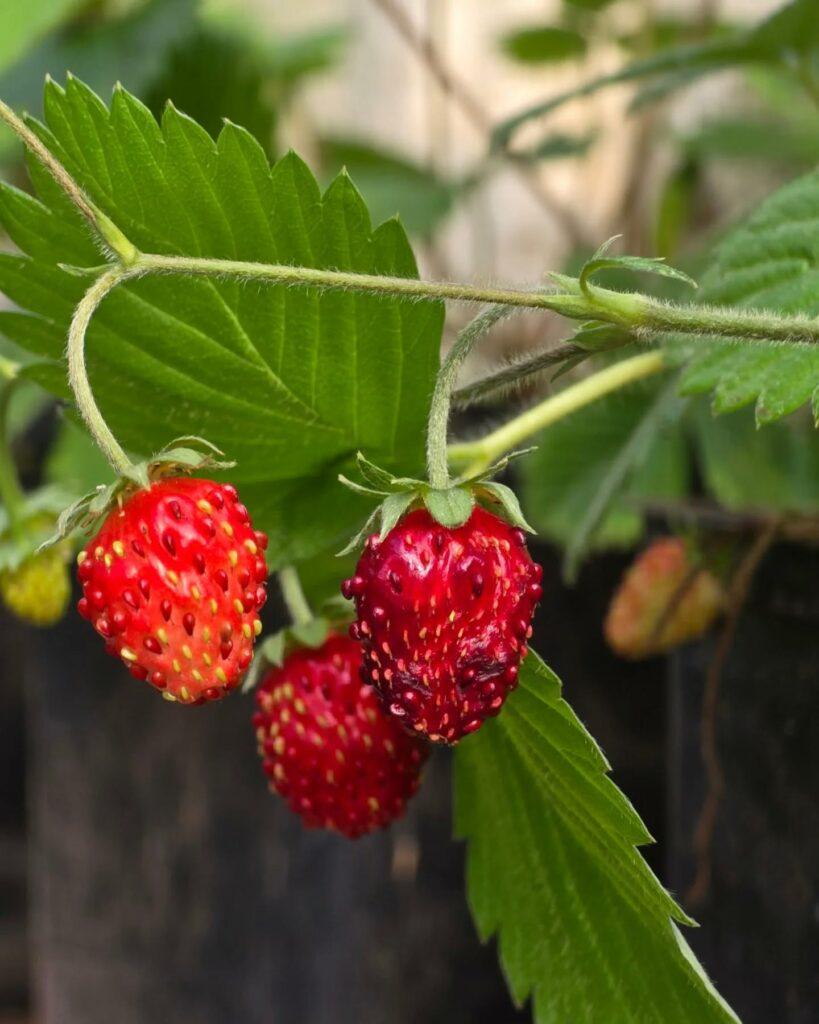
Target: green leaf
{"x": 769, "y": 262}
{"x": 584, "y": 927}
{"x": 451, "y": 507}
{"x": 392, "y": 508}
{"x": 562, "y": 479}
{"x": 288, "y": 382}
{"x": 543, "y": 44}
{"x": 639, "y": 264}
{"x": 505, "y": 497}
{"x": 392, "y": 184}
{"x": 774, "y": 469}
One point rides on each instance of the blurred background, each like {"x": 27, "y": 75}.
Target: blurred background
{"x": 145, "y": 874}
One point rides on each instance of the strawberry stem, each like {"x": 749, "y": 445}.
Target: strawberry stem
{"x": 477, "y": 455}
{"x": 78, "y": 374}
{"x": 437, "y": 461}
{"x": 293, "y": 595}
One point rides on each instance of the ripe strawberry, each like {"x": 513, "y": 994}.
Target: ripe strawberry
{"x": 38, "y": 591}
{"x": 443, "y": 618}
{"x": 328, "y": 748}
{"x": 662, "y": 601}
{"x": 173, "y": 581}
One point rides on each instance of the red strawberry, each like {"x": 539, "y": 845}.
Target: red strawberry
{"x": 328, "y": 748}
{"x": 443, "y": 618}
{"x": 663, "y": 601}
{"x": 174, "y": 581}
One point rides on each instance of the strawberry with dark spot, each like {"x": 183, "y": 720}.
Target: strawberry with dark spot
{"x": 443, "y": 617}
{"x": 174, "y": 582}
{"x": 328, "y": 748}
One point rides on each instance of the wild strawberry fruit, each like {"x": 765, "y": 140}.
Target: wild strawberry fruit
{"x": 174, "y": 582}
{"x": 663, "y": 600}
{"x": 328, "y": 748}
{"x": 443, "y": 619}
{"x": 38, "y": 590}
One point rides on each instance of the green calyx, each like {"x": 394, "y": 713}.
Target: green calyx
{"x": 450, "y": 506}
{"x": 272, "y": 652}
{"x": 185, "y": 455}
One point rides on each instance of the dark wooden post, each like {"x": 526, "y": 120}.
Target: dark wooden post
{"x": 760, "y": 923}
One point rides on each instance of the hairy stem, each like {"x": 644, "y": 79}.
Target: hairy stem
{"x": 511, "y": 376}
{"x": 437, "y": 461}
{"x": 476, "y": 455}
{"x": 78, "y": 374}
{"x": 402, "y": 287}
{"x": 106, "y": 231}
{"x": 10, "y": 490}
{"x": 294, "y": 599}
{"x": 640, "y": 313}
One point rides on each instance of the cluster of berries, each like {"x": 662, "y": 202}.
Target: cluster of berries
{"x": 174, "y": 582}
{"x": 176, "y": 578}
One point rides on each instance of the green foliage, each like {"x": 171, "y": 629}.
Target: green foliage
{"x": 290, "y": 383}
{"x": 284, "y": 60}
{"x": 544, "y": 44}
{"x": 584, "y": 928}
{"x": 75, "y": 463}
{"x": 392, "y": 184}
{"x": 791, "y": 31}
{"x": 601, "y": 260}
{"x": 588, "y": 5}
{"x": 132, "y": 49}
{"x": 764, "y": 138}
{"x": 769, "y": 262}
{"x": 212, "y": 78}
{"x": 580, "y": 484}
{"x": 557, "y": 146}
{"x": 21, "y": 24}
{"x": 743, "y": 467}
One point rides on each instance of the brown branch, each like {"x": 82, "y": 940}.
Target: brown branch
{"x": 715, "y": 779}
{"x": 471, "y": 107}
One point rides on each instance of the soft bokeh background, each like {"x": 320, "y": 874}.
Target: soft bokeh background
{"x": 405, "y": 94}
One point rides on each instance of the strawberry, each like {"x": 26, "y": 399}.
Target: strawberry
{"x": 174, "y": 582}
{"x": 663, "y": 600}
{"x": 443, "y": 617}
{"x": 38, "y": 590}
{"x": 328, "y": 748}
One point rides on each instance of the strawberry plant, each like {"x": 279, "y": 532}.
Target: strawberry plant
{"x": 185, "y": 298}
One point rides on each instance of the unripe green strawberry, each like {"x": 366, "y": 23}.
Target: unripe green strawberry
{"x": 38, "y": 590}
{"x": 663, "y": 601}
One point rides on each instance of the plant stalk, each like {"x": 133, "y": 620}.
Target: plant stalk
{"x": 647, "y": 316}
{"x": 78, "y": 373}
{"x": 293, "y": 595}
{"x": 437, "y": 461}
{"x": 477, "y": 455}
